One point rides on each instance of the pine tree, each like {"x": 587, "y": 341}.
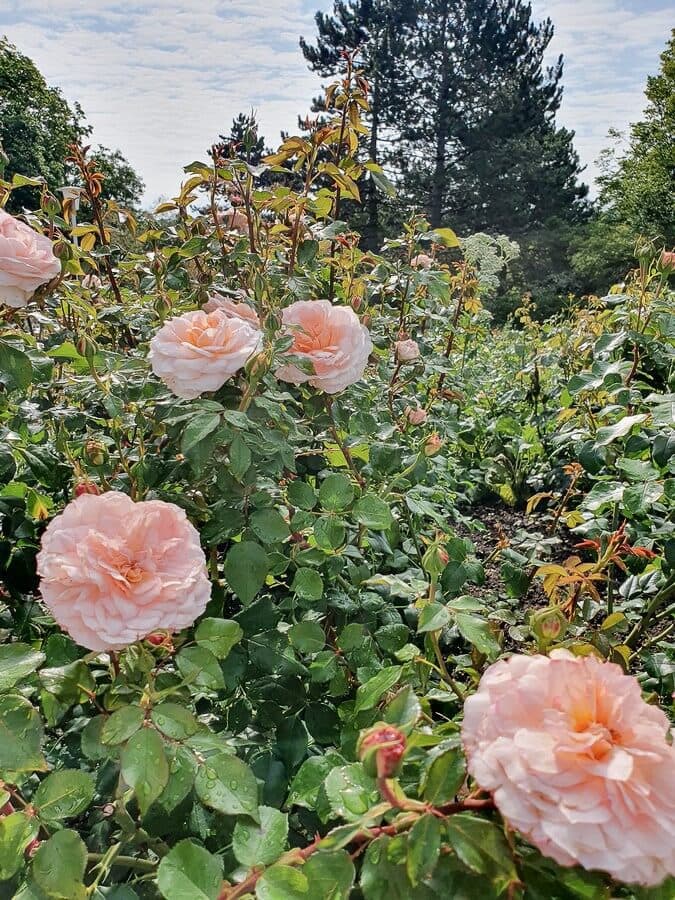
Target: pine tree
{"x": 381, "y": 30}
{"x": 480, "y": 146}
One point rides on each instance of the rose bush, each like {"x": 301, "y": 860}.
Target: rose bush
{"x": 317, "y": 620}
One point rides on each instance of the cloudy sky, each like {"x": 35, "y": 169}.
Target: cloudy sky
{"x": 159, "y": 79}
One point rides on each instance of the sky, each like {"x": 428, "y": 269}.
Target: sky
{"x": 160, "y": 79}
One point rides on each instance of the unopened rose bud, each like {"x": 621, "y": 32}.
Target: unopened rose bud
{"x": 356, "y": 303}
{"x": 667, "y": 261}
{"x": 95, "y": 453}
{"x": 162, "y": 306}
{"x": 415, "y": 415}
{"x": 421, "y": 261}
{"x": 32, "y": 848}
{"x": 381, "y": 750}
{"x": 407, "y": 351}
{"x": 158, "y": 638}
{"x": 86, "y": 487}
{"x": 62, "y": 249}
{"x": 433, "y": 445}
{"x": 87, "y": 346}
{"x": 258, "y": 364}
{"x": 435, "y": 560}
{"x": 548, "y": 624}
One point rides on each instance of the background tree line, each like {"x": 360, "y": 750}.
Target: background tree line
{"x": 463, "y": 119}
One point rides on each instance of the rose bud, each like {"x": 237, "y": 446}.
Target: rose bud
{"x": 433, "y": 445}
{"x": 407, "y": 351}
{"x": 381, "y": 749}
{"x": 421, "y": 261}
{"x": 32, "y": 848}
{"x": 667, "y": 260}
{"x": 86, "y": 487}
{"x": 415, "y": 415}
{"x": 548, "y": 624}
{"x": 435, "y": 559}
{"x": 95, "y": 453}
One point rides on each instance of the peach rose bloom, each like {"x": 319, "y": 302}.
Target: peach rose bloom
{"x": 577, "y": 762}
{"x": 415, "y": 415}
{"x": 233, "y": 309}
{"x": 407, "y": 351}
{"x": 200, "y": 351}
{"x": 668, "y": 259}
{"x": 234, "y": 220}
{"x": 26, "y": 261}
{"x": 421, "y": 261}
{"x": 331, "y": 339}
{"x": 113, "y": 571}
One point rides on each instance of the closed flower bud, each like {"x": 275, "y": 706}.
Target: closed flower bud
{"x": 86, "y": 487}
{"x": 433, "y": 445}
{"x": 62, "y": 249}
{"x": 407, "y": 351}
{"x": 667, "y": 261}
{"x": 435, "y": 560}
{"x": 415, "y": 415}
{"x": 381, "y": 750}
{"x": 548, "y": 624}
{"x": 95, "y": 453}
{"x": 87, "y": 346}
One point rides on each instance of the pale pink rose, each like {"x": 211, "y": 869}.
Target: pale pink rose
{"x": 668, "y": 259}
{"x": 415, "y": 415}
{"x": 407, "y": 351}
{"x": 113, "y": 571}
{"x": 92, "y": 282}
{"x": 577, "y": 762}
{"x": 26, "y": 261}
{"x": 233, "y": 309}
{"x": 199, "y": 351}
{"x": 331, "y": 339}
{"x": 234, "y": 220}
{"x": 421, "y": 261}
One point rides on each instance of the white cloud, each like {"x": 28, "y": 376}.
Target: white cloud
{"x": 161, "y": 78}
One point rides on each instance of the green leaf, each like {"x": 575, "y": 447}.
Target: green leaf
{"x": 200, "y": 668}
{"x": 329, "y": 532}
{"x": 330, "y": 875}
{"x": 59, "y": 866}
{"x": 433, "y": 617}
{"x": 307, "y": 637}
{"x": 479, "y": 633}
{"x": 189, "y": 872}
{"x": 301, "y": 494}
{"x": 144, "y": 767}
{"x": 443, "y": 776}
{"x": 445, "y": 236}
{"x": 218, "y": 635}
{"x": 307, "y": 584}
{"x": 227, "y": 784}
{"x": 174, "y": 721}
{"x": 350, "y": 792}
{"x": 283, "y": 883}
{"x": 122, "y": 724}
{"x": 246, "y": 567}
{"x": 182, "y": 771}
{"x": 370, "y": 693}
{"x": 20, "y": 737}
{"x": 16, "y": 369}
{"x": 240, "y": 457}
{"x": 269, "y": 526}
{"x": 64, "y": 794}
{"x": 482, "y": 847}
{"x": 17, "y": 830}
{"x": 16, "y": 662}
{"x": 199, "y": 427}
{"x": 373, "y": 512}
{"x": 260, "y": 844}
{"x": 336, "y": 492}
{"x": 424, "y": 844}
{"x": 609, "y": 433}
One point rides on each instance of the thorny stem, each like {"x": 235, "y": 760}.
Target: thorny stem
{"x": 665, "y": 595}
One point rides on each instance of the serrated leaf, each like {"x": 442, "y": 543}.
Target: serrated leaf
{"x": 189, "y": 872}
{"x": 64, "y": 794}
{"x": 144, "y": 767}
{"x": 227, "y": 784}
{"x": 260, "y": 843}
